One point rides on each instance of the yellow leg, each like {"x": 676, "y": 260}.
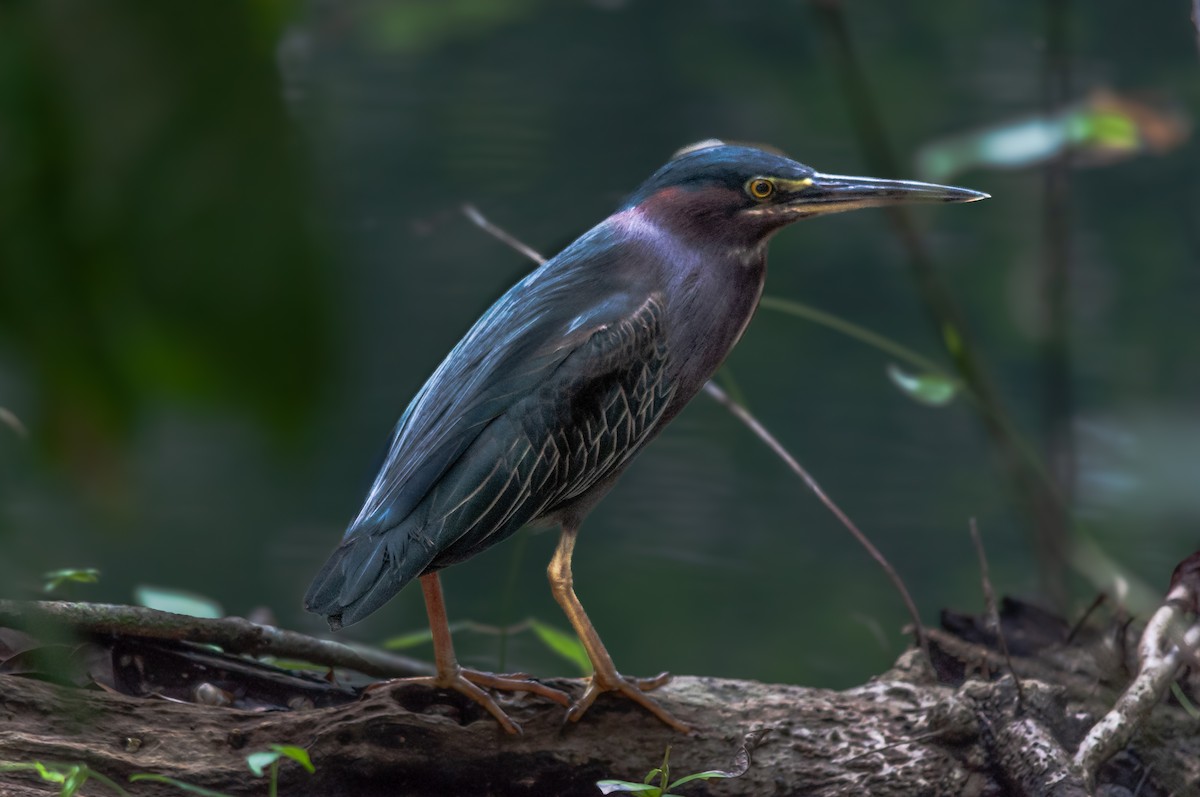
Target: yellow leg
{"x": 605, "y": 677}
{"x": 451, "y": 676}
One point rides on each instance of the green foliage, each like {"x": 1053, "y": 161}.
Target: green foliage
{"x": 933, "y": 386}
{"x": 258, "y": 762}
{"x": 564, "y": 644}
{"x": 933, "y": 389}
{"x": 177, "y": 601}
{"x": 268, "y": 761}
{"x": 70, "y": 777}
{"x": 155, "y": 237}
{"x": 412, "y": 640}
{"x": 665, "y": 785}
{"x": 70, "y": 575}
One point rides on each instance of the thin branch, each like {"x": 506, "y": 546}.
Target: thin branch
{"x": 1093, "y": 606}
{"x": 233, "y": 634}
{"x": 989, "y": 598}
{"x": 10, "y": 419}
{"x": 1161, "y": 653}
{"x": 479, "y": 219}
{"x": 859, "y": 333}
{"x": 743, "y": 415}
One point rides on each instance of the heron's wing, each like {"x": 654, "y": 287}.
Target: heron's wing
{"x": 551, "y": 450}
{"x": 513, "y": 351}
{"x": 509, "y": 353}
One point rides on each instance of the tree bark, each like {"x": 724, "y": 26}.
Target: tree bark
{"x": 961, "y": 731}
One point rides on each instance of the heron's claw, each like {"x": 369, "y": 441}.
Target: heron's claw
{"x": 630, "y": 688}
{"x": 516, "y": 682}
{"x": 472, "y": 683}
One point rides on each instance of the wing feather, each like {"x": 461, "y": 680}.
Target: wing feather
{"x": 512, "y": 425}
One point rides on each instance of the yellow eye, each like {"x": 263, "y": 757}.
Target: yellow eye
{"x": 760, "y": 188}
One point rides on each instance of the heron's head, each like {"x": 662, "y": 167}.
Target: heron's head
{"x": 724, "y": 193}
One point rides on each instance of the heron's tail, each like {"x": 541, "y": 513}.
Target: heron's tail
{"x": 363, "y": 573}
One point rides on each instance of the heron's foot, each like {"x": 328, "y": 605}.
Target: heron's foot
{"x": 630, "y": 688}
{"x": 472, "y": 683}
{"x": 515, "y": 682}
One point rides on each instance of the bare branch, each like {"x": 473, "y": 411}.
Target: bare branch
{"x": 1168, "y": 642}
{"x": 989, "y": 598}
{"x": 482, "y": 222}
{"x": 233, "y": 634}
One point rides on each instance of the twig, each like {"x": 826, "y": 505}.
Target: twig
{"x": 1168, "y": 642}
{"x": 989, "y": 598}
{"x": 233, "y": 634}
{"x": 479, "y": 219}
{"x": 1093, "y": 606}
{"x": 924, "y": 737}
{"x": 742, "y": 414}
{"x": 10, "y": 419}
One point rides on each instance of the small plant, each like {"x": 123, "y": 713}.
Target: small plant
{"x": 665, "y": 785}
{"x": 70, "y": 777}
{"x": 269, "y": 760}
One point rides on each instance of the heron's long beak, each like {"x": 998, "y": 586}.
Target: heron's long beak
{"x": 833, "y": 193}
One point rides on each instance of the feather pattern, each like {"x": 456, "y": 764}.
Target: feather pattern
{"x": 544, "y": 401}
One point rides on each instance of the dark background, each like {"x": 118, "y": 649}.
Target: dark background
{"x": 232, "y": 248}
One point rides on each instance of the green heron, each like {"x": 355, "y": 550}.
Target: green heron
{"x": 540, "y": 407}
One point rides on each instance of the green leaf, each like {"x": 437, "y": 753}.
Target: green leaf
{"x": 709, "y": 775}
{"x": 625, "y": 787}
{"x": 47, "y": 774}
{"x": 76, "y": 777}
{"x": 258, "y": 762}
{"x": 177, "y": 601}
{"x": 566, "y": 645}
{"x": 297, "y": 754}
{"x": 179, "y": 784}
{"x": 76, "y": 575}
{"x": 934, "y": 390}
{"x": 405, "y": 641}
{"x": 421, "y": 637}
{"x": 1106, "y": 128}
